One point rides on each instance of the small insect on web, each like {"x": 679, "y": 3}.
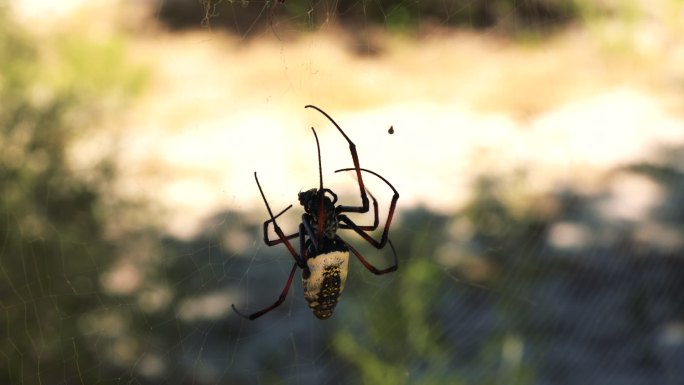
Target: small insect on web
{"x": 323, "y": 254}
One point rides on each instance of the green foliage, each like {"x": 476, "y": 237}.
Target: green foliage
{"x": 528, "y": 20}
{"x": 52, "y": 244}
{"x": 402, "y": 17}
{"x": 509, "y": 16}
{"x": 399, "y": 337}
{"x": 395, "y": 332}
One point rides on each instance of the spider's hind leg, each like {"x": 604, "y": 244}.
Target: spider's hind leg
{"x": 347, "y": 223}
{"x": 370, "y": 266}
{"x": 278, "y": 302}
{"x": 376, "y": 220}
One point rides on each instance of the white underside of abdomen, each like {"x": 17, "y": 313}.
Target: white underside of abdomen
{"x": 322, "y": 267}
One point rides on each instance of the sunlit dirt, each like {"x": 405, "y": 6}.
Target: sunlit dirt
{"x": 562, "y": 109}
{"x": 461, "y": 105}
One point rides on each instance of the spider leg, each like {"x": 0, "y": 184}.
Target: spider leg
{"x": 375, "y": 216}
{"x": 278, "y": 241}
{"x": 284, "y": 239}
{"x": 278, "y": 302}
{"x": 369, "y": 266}
{"x": 347, "y": 223}
{"x": 355, "y": 158}
{"x": 306, "y": 228}
{"x": 331, "y": 193}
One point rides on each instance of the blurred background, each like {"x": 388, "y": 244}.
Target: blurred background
{"x": 538, "y": 148}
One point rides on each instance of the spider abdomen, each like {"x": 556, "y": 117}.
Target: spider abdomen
{"x": 325, "y": 281}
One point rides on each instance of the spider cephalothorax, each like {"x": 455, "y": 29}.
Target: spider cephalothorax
{"x": 323, "y": 255}
{"x": 317, "y": 205}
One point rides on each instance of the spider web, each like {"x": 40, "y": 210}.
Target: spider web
{"x": 536, "y": 146}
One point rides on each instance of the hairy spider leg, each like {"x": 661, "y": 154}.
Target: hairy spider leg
{"x": 368, "y": 265}
{"x": 278, "y": 302}
{"x": 355, "y": 158}
{"x": 347, "y": 223}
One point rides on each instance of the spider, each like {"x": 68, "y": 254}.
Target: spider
{"x": 324, "y": 255}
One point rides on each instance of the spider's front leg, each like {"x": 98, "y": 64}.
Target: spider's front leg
{"x": 355, "y": 158}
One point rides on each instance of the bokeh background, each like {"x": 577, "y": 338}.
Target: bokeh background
{"x": 538, "y": 148}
